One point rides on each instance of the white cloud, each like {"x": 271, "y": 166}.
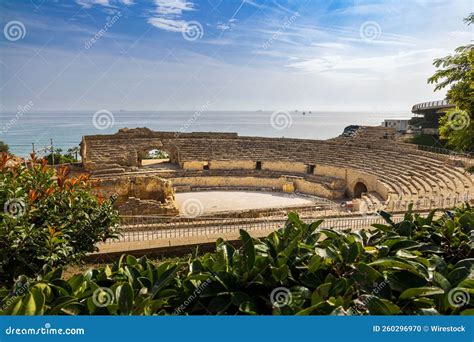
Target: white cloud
{"x": 173, "y": 7}
{"x": 381, "y": 41}
{"x": 223, "y": 27}
{"x": 252, "y": 3}
{"x": 90, "y": 3}
{"x": 330, "y": 45}
{"x": 367, "y": 65}
{"x": 226, "y": 26}
{"x": 167, "y": 24}
{"x": 168, "y": 13}
{"x": 377, "y": 9}
{"x": 218, "y": 42}
{"x": 105, "y": 3}
{"x": 461, "y": 36}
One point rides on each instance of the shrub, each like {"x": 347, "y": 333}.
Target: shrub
{"x": 48, "y": 218}
{"x": 3, "y": 147}
{"x": 59, "y": 158}
{"x": 426, "y": 140}
{"x": 419, "y": 266}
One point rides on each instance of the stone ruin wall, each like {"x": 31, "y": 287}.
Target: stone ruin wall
{"x": 227, "y": 151}
{"x": 123, "y": 149}
{"x": 139, "y": 194}
{"x": 284, "y": 183}
{"x": 392, "y": 170}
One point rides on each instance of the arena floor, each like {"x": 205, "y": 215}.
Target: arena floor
{"x": 207, "y": 202}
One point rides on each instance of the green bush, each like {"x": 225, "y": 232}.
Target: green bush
{"x": 48, "y": 218}
{"x": 420, "y": 266}
{"x": 426, "y": 140}
{"x": 3, "y": 147}
{"x": 457, "y": 129}
{"x": 58, "y": 157}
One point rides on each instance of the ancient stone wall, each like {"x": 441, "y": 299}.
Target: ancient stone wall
{"x": 133, "y": 194}
{"x": 275, "y": 184}
{"x": 388, "y": 168}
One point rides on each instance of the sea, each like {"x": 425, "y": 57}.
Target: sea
{"x": 23, "y": 129}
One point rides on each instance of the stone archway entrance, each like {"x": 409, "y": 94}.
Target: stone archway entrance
{"x": 155, "y": 157}
{"x": 359, "y": 189}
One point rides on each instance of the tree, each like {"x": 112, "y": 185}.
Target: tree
{"x": 457, "y": 129}
{"x": 457, "y": 72}
{"x": 48, "y": 218}
{"x": 3, "y": 147}
{"x": 59, "y": 158}
{"x": 74, "y": 151}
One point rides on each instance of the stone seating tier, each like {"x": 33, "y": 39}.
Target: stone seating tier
{"x": 404, "y": 171}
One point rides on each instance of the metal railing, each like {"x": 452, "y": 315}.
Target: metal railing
{"x": 432, "y": 105}
{"x": 146, "y": 228}
{"x": 440, "y": 150}
{"x": 221, "y": 227}
{"x": 427, "y": 204}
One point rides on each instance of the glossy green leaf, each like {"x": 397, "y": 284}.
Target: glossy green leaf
{"x": 125, "y": 296}
{"x": 421, "y": 292}
{"x": 248, "y": 248}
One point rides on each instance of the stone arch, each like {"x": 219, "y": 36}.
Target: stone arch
{"x": 164, "y": 155}
{"x": 359, "y": 189}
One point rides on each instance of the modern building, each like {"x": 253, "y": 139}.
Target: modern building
{"x": 400, "y": 125}
{"x": 427, "y": 115}
{"x": 433, "y": 110}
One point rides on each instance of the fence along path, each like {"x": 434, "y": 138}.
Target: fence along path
{"x": 142, "y": 228}
{"x": 222, "y": 227}
{"x": 154, "y": 232}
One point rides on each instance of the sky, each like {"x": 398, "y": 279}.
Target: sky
{"x": 225, "y": 54}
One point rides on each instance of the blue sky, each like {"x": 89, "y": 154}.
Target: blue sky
{"x": 225, "y": 55}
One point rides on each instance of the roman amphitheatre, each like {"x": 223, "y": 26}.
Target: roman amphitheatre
{"x": 208, "y": 179}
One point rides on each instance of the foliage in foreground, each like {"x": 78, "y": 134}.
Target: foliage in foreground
{"x": 411, "y": 267}
{"x": 47, "y": 218}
